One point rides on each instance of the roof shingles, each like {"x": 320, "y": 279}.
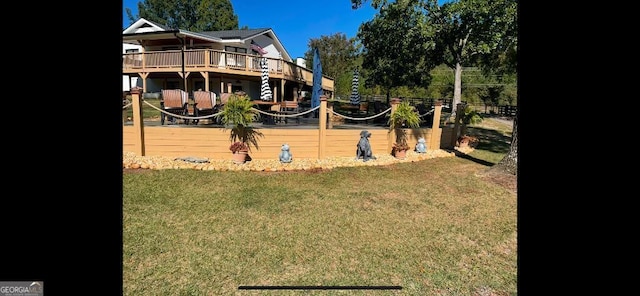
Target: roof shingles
{"x": 235, "y": 34}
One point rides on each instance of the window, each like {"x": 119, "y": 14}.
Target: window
{"x": 235, "y": 49}
{"x": 131, "y": 50}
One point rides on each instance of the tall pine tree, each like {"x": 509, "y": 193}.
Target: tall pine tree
{"x": 192, "y": 15}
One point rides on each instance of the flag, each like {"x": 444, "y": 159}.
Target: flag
{"x": 257, "y": 48}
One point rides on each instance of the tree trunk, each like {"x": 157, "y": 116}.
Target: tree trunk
{"x": 509, "y": 162}
{"x": 457, "y": 89}
{"x": 388, "y": 95}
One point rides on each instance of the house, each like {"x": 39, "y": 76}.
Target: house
{"x": 218, "y": 61}
{"x": 128, "y": 81}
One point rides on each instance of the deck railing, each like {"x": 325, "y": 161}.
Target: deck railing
{"x": 216, "y": 60}
{"x": 207, "y": 58}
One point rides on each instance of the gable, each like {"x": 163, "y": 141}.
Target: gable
{"x": 145, "y": 26}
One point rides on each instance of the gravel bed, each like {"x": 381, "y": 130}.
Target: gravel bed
{"x": 132, "y": 161}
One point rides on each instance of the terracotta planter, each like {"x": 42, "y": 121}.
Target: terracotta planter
{"x": 400, "y": 154}
{"x": 240, "y": 157}
{"x": 467, "y": 141}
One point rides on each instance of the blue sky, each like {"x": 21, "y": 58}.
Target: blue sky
{"x": 294, "y": 22}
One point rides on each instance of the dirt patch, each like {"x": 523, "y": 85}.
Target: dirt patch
{"x": 503, "y": 179}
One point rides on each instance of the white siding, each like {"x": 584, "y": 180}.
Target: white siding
{"x": 127, "y": 81}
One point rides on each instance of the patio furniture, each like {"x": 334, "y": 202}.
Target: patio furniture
{"x": 266, "y": 106}
{"x": 224, "y": 97}
{"x": 204, "y": 103}
{"x": 288, "y": 108}
{"x": 364, "y": 108}
{"x": 378, "y": 107}
{"x": 174, "y": 101}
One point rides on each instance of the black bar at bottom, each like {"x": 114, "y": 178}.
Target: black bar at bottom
{"x": 319, "y": 287}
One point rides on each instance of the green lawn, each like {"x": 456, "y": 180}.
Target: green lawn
{"x": 434, "y": 227}
{"x": 148, "y": 112}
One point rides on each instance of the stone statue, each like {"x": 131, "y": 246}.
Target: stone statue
{"x": 421, "y": 146}
{"x": 285, "y": 155}
{"x": 364, "y": 147}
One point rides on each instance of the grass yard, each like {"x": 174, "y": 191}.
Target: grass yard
{"x": 434, "y": 227}
{"x": 147, "y": 111}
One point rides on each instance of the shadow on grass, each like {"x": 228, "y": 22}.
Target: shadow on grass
{"x": 489, "y": 140}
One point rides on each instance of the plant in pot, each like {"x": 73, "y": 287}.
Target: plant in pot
{"x": 240, "y": 152}
{"x": 405, "y": 116}
{"x": 468, "y": 116}
{"x": 237, "y": 115}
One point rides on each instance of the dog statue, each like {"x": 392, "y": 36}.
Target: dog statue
{"x": 364, "y": 147}
{"x": 285, "y": 155}
{"x": 421, "y": 146}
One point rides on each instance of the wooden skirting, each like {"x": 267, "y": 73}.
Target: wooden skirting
{"x": 214, "y": 143}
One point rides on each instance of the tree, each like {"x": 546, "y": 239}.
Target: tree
{"x": 337, "y": 56}
{"x": 473, "y": 32}
{"x": 396, "y": 48}
{"x": 503, "y": 59}
{"x": 192, "y": 15}
{"x": 457, "y": 33}
{"x": 490, "y": 95}
{"x": 509, "y": 163}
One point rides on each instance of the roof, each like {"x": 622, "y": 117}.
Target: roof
{"x": 237, "y": 34}
{"x": 143, "y": 28}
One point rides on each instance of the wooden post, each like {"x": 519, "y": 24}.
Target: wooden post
{"x": 124, "y": 110}
{"x": 330, "y": 112}
{"x": 138, "y": 124}
{"x": 282, "y": 81}
{"x": 456, "y": 124}
{"x": 434, "y": 142}
{"x": 391, "y": 136}
{"x": 143, "y": 76}
{"x": 323, "y": 126}
{"x": 205, "y": 75}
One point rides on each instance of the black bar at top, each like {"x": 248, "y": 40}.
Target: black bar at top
{"x": 319, "y": 287}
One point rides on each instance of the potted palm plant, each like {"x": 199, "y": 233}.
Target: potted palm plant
{"x": 469, "y": 116}
{"x": 404, "y": 116}
{"x": 237, "y": 115}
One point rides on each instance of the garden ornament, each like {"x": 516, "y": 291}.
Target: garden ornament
{"x": 364, "y": 147}
{"x": 285, "y": 155}
{"x": 421, "y": 147}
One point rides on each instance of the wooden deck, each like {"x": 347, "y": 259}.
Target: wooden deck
{"x": 319, "y": 140}
{"x": 213, "y": 142}
{"x": 216, "y": 61}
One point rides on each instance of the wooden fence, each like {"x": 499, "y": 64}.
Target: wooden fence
{"x": 321, "y": 142}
